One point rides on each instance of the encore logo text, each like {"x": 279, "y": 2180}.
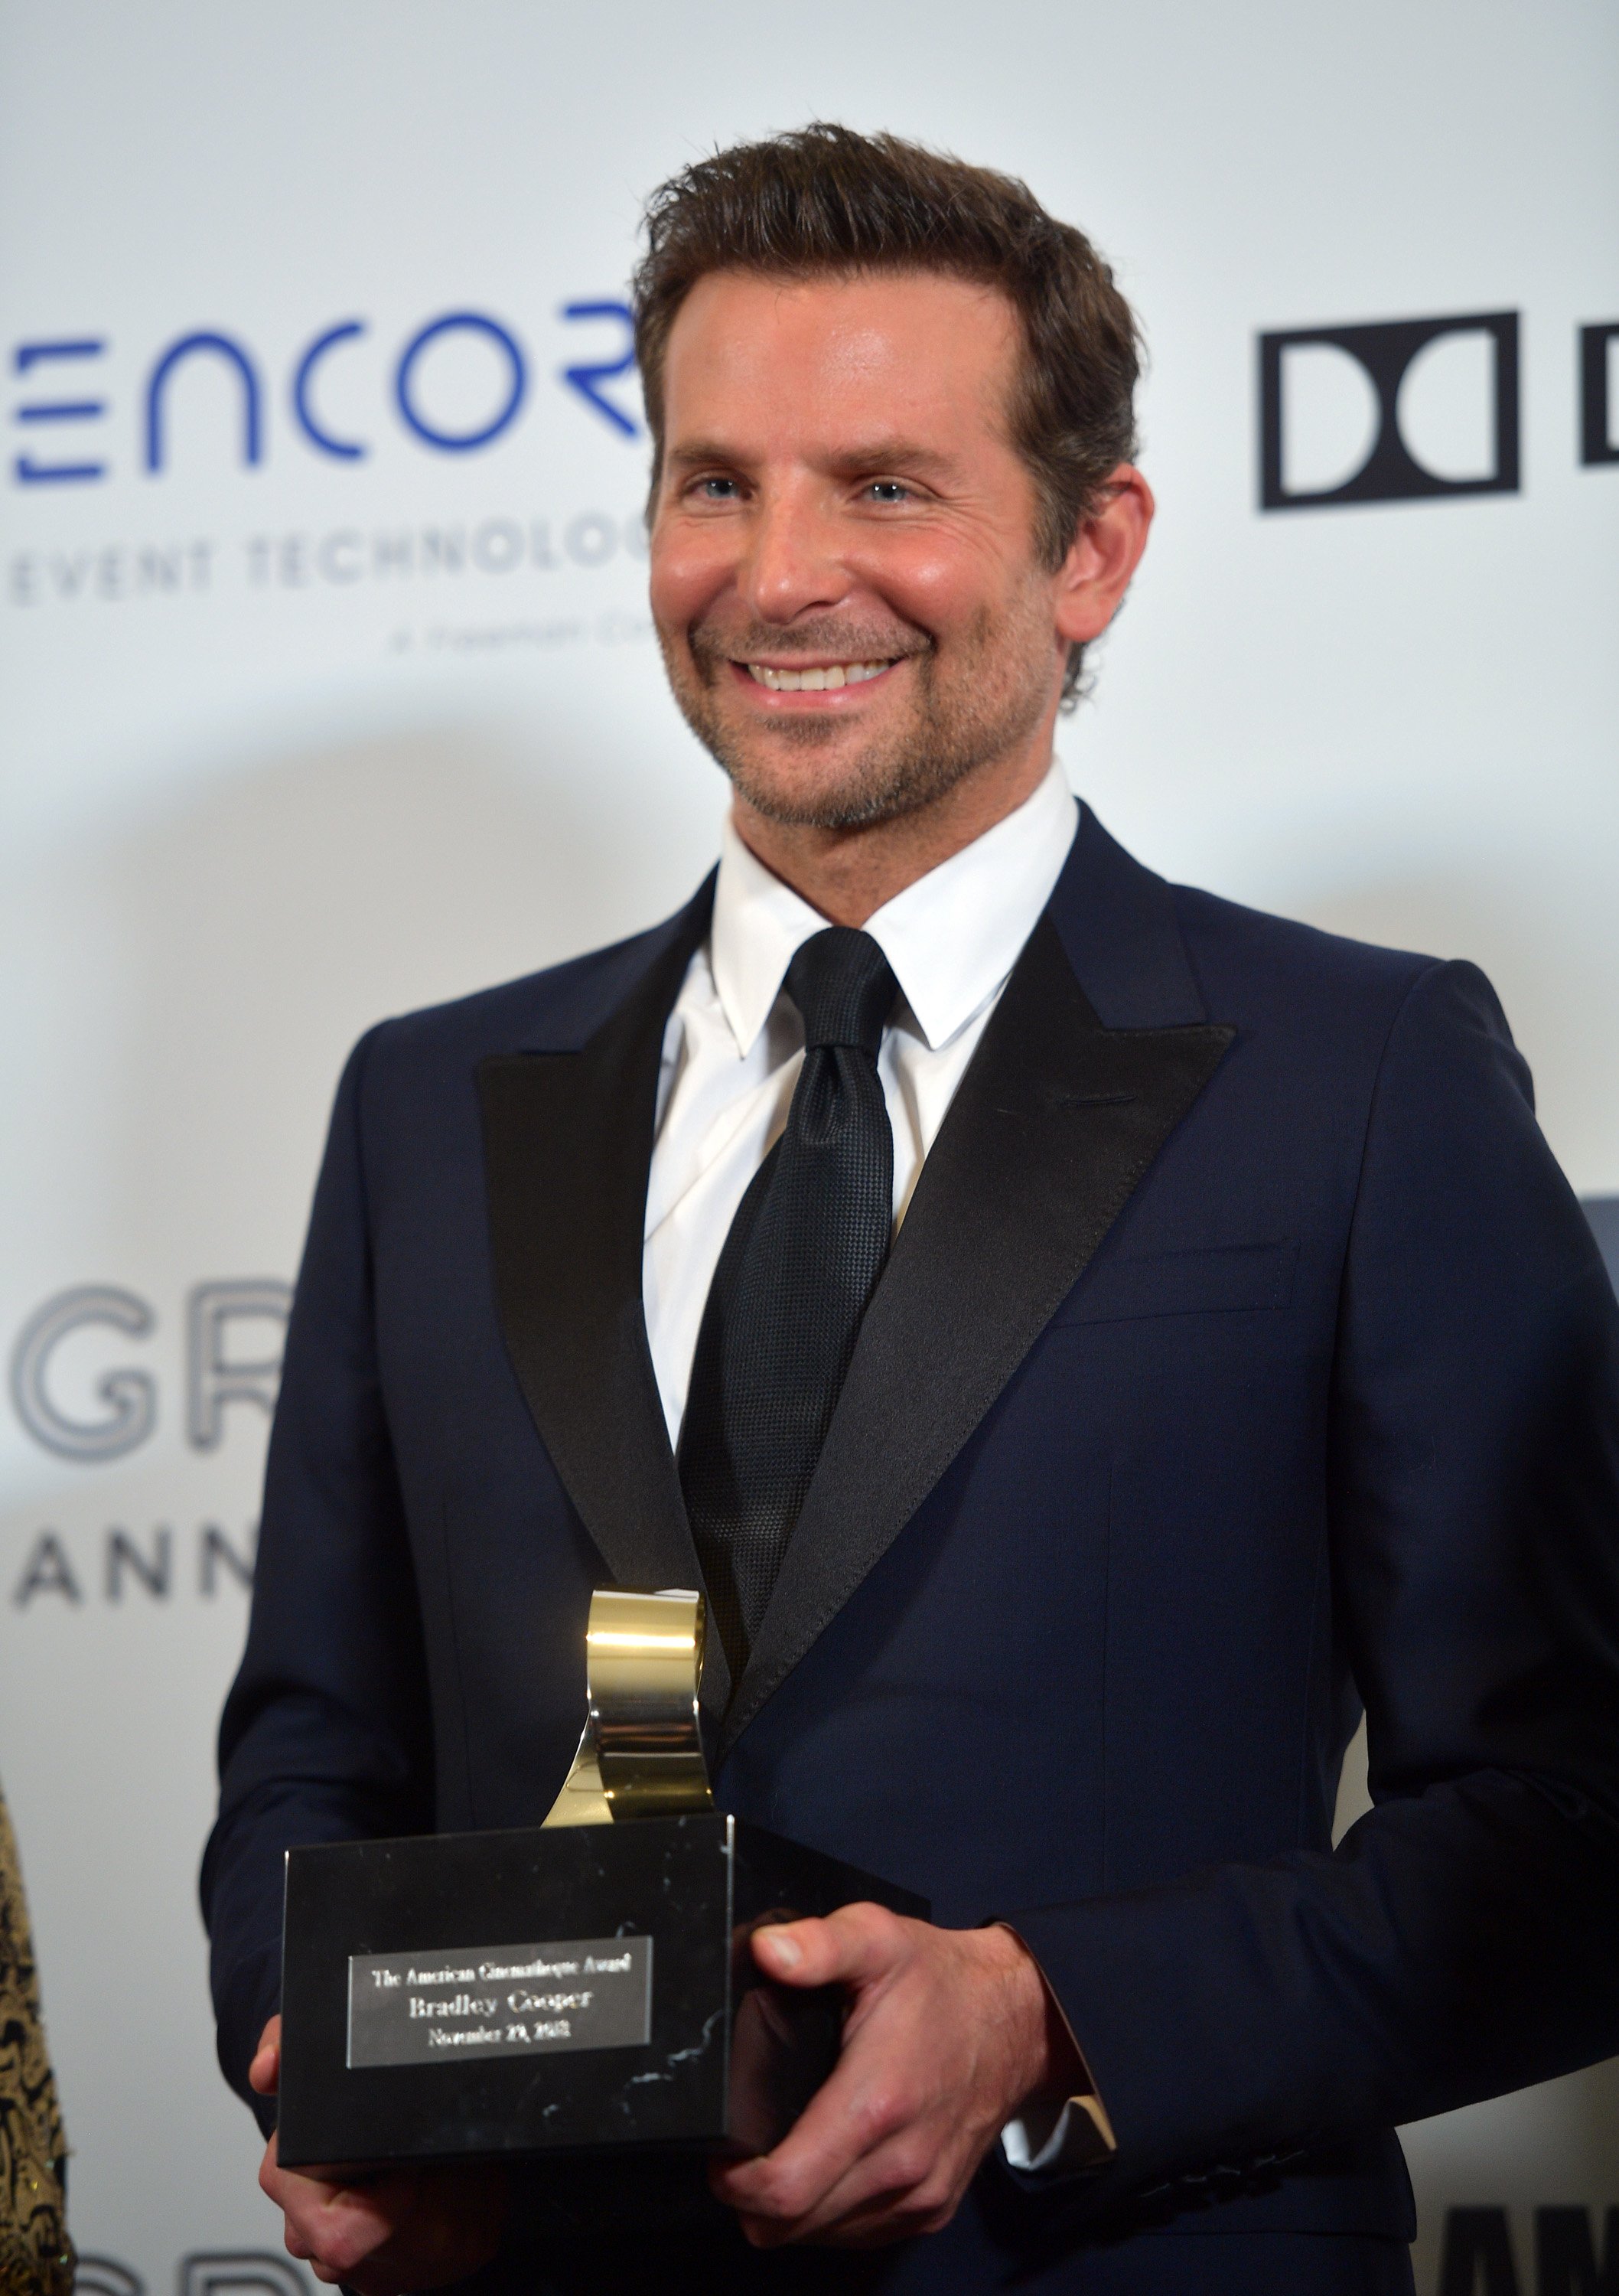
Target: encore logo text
{"x": 456, "y": 383}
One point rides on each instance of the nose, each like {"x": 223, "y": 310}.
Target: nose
{"x": 793, "y": 565}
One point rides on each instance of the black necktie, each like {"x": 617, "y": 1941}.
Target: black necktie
{"x": 799, "y": 1264}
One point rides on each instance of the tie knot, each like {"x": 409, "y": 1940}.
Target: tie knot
{"x": 843, "y": 984}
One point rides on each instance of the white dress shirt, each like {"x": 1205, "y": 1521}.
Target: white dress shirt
{"x": 734, "y": 1043}
{"x": 732, "y": 1055}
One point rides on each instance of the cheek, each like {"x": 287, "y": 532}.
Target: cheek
{"x": 687, "y": 572}
{"x": 937, "y": 583}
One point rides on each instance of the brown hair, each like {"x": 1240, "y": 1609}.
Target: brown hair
{"x": 825, "y": 199}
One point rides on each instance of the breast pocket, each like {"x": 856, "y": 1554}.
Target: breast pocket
{"x": 1227, "y": 1280}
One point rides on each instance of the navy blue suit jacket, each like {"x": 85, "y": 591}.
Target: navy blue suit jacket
{"x": 1243, "y": 1357}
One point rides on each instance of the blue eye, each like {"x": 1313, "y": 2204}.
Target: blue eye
{"x": 888, "y": 490}
{"x": 717, "y": 490}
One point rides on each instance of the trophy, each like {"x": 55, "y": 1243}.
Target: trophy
{"x": 586, "y": 1983}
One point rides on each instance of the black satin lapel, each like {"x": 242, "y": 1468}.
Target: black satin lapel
{"x": 567, "y": 1143}
{"x": 1050, "y": 1131}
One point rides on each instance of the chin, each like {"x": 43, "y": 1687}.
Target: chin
{"x": 854, "y": 796}
{"x": 823, "y": 771}
{"x": 806, "y": 801}
{"x": 803, "y": 769}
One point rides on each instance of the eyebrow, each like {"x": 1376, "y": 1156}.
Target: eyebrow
{"x": 700, "y": 450}
{"x": 895, "y": 453}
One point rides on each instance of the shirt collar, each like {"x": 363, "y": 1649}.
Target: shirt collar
{"x": 952, "y": 937}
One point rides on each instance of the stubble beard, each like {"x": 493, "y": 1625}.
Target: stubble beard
{"x": 995, "y": 699}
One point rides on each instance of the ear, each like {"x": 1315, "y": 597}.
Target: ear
{"x": 1105, "y": 553}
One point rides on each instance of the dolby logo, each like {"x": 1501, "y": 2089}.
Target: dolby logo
{"x": 1413, "y": 410}
{"x": 1400, "y": 411}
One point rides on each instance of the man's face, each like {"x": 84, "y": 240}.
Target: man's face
{"x": 844, "y": 574}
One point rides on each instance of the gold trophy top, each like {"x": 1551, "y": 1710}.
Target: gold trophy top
{"x": 640, "y": 1752}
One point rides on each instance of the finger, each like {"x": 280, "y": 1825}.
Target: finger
{"x": 453, "y": 2228}
{"x": 341, "y": 2226}
{"x": 287, "y": 2187}
{"x": 855, "y": 1945}
{"x": 859, "y": 2107}
{"x": 265, "y": 2072}
{"x": 355, "y": 2232}
{"x": 895, "y": 2193}
{"x": 868, "y": 2098}
{"x": 873, "y": 2196}
{"x": 872, "y": 2129}
{"x": 913, "y": 2184}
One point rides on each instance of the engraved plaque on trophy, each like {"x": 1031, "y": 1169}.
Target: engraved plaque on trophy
{"x": 586, "y": 1983}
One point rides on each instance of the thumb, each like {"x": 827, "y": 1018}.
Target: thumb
{"x": 264, "y": 2074}
{"x": 856, "y": 1945}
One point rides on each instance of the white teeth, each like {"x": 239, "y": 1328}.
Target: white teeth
{"x": 815, "y": 681}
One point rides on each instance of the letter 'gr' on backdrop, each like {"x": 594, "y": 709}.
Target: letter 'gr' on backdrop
{"x": 328, "y": 690}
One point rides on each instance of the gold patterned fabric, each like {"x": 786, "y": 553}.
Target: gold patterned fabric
{"x": 36, "y": 2255}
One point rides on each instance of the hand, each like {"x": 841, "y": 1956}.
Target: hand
{"x": 946, "y": 2033}
{"x": 397, "y": 2231}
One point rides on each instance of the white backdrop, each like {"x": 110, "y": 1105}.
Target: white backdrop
{"x": 292, "y": 737}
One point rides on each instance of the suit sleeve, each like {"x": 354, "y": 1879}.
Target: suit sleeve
{"x": 1460, "y": 1941}
{"x": 324, "y": 1732}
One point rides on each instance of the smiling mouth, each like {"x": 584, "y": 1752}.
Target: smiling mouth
{"x": 814, "y": 681}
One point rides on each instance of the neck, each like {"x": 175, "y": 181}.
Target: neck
{"x": 848, "y": 874}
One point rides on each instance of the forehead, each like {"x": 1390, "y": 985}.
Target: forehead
{"x": 909, "y": 349}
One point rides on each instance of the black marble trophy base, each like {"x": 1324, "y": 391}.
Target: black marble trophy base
{"x": 480, "y": 1995}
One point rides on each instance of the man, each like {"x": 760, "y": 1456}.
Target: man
{"x": 1085, "y": 1338}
